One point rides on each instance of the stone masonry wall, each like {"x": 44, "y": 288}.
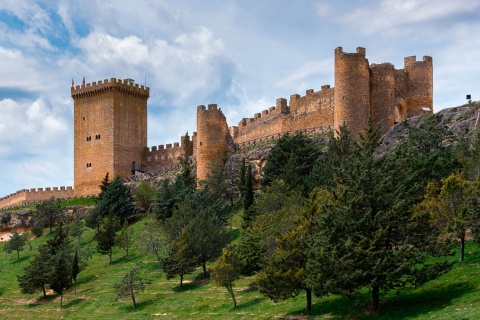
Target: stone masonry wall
{"x": 313, "y": 110}
{"x": 158, "y": 157}
{"x": 110, "y": 131}
{"x": 24, "y": 196}
{"x": 213, "y": 139}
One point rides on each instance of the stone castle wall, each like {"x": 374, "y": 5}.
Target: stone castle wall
{"x": 110, "y": 131}
{"x": 110, "y": 119}
{"x": 213, "y": 139}
{"x": 162, "y": 156}
{"x": 29, "y": 196}
{"x": 313, "y": 110}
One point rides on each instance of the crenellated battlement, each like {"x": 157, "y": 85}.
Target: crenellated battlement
{"x": 28, "y": 196}
{"x": 411, "y": 62}
{"x": 100, "y": 87}
{"x": 169, "y": 151}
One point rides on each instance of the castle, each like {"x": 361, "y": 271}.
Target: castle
{"x": 110, "y": 121}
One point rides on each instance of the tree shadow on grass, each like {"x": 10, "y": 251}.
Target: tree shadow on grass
{"x": 16, "y": 261}
{"x": 405, "y": 305}
{"x": 423, "y": 301}
{"x": 127, "y": 304}
{"x": 195, "y": 284}
{"x": 72, "y": 303}
{"x": 249, "y": 303}
{"x": 85, "y": 279}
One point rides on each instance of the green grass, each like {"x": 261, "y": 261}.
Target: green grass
{"x": 455, "y": 295}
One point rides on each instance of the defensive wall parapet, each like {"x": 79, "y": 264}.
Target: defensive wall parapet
{"x": 313, "y": 110}
{"x": 125, "y": 86}
{"x": 29, "y": 196}
{"x": 161, "y": 156}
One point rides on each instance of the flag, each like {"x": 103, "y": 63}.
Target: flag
{"x": 83, "y": 81}
{"x": 73, "y": 83}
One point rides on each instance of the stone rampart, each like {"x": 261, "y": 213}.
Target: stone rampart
{"x": 158, "y": 157}
{"x": 29, "y": 196}
{"x": 313, "y": 110}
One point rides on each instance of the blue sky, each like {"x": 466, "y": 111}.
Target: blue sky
{"x": 241, "y": 55}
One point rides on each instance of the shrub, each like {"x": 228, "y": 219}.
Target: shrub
{"x": 37, "y": 231}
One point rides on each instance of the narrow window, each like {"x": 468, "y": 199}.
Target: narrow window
{"x": 133, "y": 167}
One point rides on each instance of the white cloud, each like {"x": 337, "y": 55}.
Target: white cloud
{"x": 393, "y": 15}
{"x": 35, "y": 146}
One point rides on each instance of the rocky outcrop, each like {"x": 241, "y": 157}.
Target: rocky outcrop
{"x": 461, "y": 122}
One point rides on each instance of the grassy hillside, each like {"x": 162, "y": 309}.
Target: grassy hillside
{"x": 455, "y": 295}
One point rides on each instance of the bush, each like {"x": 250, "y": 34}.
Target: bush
{"x": 37, "y": 231}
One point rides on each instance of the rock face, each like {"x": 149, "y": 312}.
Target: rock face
{"x": 461, "y": 121}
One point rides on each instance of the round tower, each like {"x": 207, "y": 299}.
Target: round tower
{"x": 352, "y": 90}
{"x": 382, "y": 95}
{"x": 212, "y": 139}
{"x": 419, "y": 97}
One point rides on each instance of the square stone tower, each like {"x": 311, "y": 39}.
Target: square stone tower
{"x": 110, "y": 131}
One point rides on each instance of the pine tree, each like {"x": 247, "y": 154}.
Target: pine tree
{"x": 106, "y": 236}
{"x": 369, "y": 237}
{"x": 75, "y": 269}
{"x": 61, "y": 275}
{"x": 117, "y": 198}
{"x": 16, "y": 243}
{"x": 181, "y": 260}
{"x": 124, "y": 240}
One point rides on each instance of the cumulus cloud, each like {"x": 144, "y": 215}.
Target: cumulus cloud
{"x": 187, "y": 67}
{"x": 35, "y": 145}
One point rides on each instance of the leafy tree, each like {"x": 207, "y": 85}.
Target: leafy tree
{"x": 368, "y": 238}
{"x": 291, "y": 160}
{"x": 130, "y": 285}
{"x": 49, "y": 212}
{"x": 106, "y": 236}
{"x": 76, "y": 230}
{"x": 16, "y": 243}
{"x": 124, "y": 240}
{"x": 144, "y": 195}
{"x": 449, "y": 207}
{"x": 117, "y": 198}
{"x": 7, "y": 248}
{"x": 471, "y": 159}
{"x": 153, "y": 240}
{"x": 225, "y": 271}
{"x": 94, "y": 218}
{"x": 37, "y": 231}
{"x": 284, "y": 274}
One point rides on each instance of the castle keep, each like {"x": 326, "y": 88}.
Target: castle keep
{"x": 110, "y": 121}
